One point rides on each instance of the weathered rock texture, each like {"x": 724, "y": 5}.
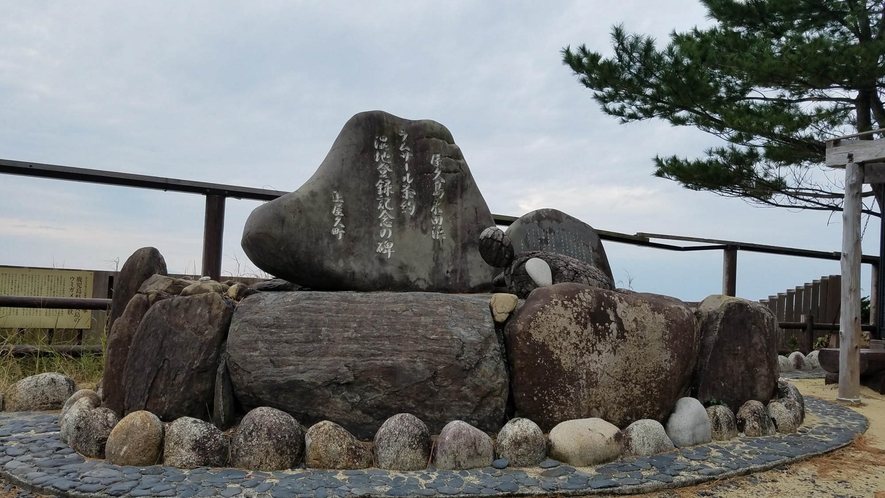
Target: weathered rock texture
{"x": 462, "y": 446}
{"x": 787, "y": 391}
{"x": 723, "y": 423}
{"x": 359, "y": 358}
{"x": 584, "y": 442}
{"x": 94, "y": 401}
{"x": 143, "y": 263}
{"x": 521, "y": 442}
{"x": 119, "y": 342}
{"x": 646, "y": 437}
{"x": 402, "y": 443}
{"x": 191, "y": 443}
{"x": 45, "y": 391}
{"x": 173, "y": 359}
{"x": 392, "y": 207}
{"x": 553, "y": 231}
{"x": 327, "y": 445}
{"x": 738, "y": 358}
{"x": 561, "y": 269}
{"x": 753, "y": 420}
{"x": 86, "y": 427}
{"x": 577, "y": 352}
{"x": 136, "y": 440}
{"x": 267, "y": 439}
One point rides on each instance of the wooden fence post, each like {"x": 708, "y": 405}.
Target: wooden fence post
{"x": 849, "y": 323}
{"x": 729, "y": 271}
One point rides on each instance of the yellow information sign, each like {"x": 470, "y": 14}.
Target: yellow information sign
{"x": 45, "y": 283}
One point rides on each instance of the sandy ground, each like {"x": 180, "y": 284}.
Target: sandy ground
{"x": 855, "y": 471}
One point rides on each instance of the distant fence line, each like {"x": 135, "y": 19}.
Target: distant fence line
{"x": 216, "y": 194}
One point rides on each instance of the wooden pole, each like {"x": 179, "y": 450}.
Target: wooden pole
{"x": 213, "y": 236}
{"x": 849, "y": 330}
{"x": 729, "y": 271}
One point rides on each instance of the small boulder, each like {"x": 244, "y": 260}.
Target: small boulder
{"x": 785, "y": 390}
{"x": 191, "y": 443}
{"x": 522, "y": 443}
{"x": 45, "y": 391}
{"x": 94, "y": 399}
{"x": 646, "y": 437}
{"x": 797, "y": 359}
{"x": 164, "y": 285}
{"x": 785, "y": 415}
{"x": 327, "y": 445}
{"x": 753, "y": 420}
{"x": 812, "y": 360}
{"x": 267, "y": 439}
{"x": 723, "y": 424}
{"x": 86, "y": 427}
{"x": 689, "y": 424}
{"x": 402, "y": 443}
{"x": 203, "y": 287}
{"x": 584, "y": 442}
{"x": 502, "y": 305}
{"x": 784, "y": 364}
{"x": 462, "y": 446}
{"x": 136, "y": 440}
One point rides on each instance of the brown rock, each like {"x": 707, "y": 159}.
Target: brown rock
{"x": 143, "y": 263}
{"x": 502, "y": 305}
{"x": 173, "y": 359}
{"x": 738, "y": 358}
{"x": 462, "y": 446}
{"x": 579, "y": 352}
{"x": 163, "y": 284}
{"x": 330, "y": 446}
{"x": 359, "y": 358}
{"x": 136, "y": 440}
{"x": 402, "y": 443}
{"x": 203, "y": 287}
{"x": 753, "y": 420}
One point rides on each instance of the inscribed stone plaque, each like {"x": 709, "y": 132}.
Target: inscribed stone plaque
{"x": 554, "y": 231}
{"x": 45, "y": 283}
{"x": 392, "y": 207}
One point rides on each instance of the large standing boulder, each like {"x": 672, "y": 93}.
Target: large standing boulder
{"x": 119, "y": 342}
{"x": 553, "y": 231}
{"x": 359, "y": 358}
{"x": 173, "y": 359}
{"x": 143, "y": 263}
{"x": 45, "y": 391}
{"x": 578, "y": 352}
{"x": 392, "y": 207}
{"x": 738, "y": 358}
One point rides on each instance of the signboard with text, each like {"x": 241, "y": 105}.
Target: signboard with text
{"x": 45, "y": 283}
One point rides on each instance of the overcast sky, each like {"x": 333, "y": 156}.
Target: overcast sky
{"x": 254, "y": 93}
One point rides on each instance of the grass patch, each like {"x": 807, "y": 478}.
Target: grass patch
{"x": 86, "y": 369}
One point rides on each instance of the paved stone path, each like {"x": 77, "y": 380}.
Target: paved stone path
{"x": 32, "y": 457}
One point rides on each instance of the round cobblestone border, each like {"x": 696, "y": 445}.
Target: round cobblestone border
{"x": 32, "y": 457}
